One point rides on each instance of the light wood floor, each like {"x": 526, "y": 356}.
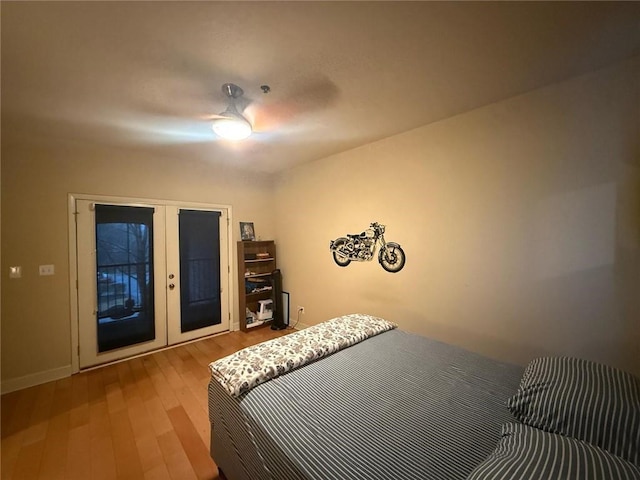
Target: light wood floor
{"x": 146, "y": 418}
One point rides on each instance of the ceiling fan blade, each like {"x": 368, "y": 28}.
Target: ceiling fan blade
{"x": 304, "y": 98}
{"x": 211, "y": 117}
{"x": 266, "y": 118}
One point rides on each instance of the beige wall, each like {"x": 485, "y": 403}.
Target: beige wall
{"x": 37, "y": 177}
{"x": 520, "y": 221}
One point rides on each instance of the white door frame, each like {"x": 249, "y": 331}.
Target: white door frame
{"x": 73, "y": 256}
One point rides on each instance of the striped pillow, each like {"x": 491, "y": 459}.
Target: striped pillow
{"x": 582, "y": 399}
{"x": 525, "y": 453}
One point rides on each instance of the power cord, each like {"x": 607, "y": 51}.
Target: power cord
{"x": 297, "y": 320}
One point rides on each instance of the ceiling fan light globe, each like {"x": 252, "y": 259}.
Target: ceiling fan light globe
{"x": 232, "y": 128}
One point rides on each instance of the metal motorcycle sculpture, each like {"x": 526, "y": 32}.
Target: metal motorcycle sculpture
{"x": 361, "y": 247}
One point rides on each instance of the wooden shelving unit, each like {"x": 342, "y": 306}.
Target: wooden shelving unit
{"x": 256, "y": 261}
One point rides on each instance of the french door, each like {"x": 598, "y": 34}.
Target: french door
{"x": 149, "y": 276}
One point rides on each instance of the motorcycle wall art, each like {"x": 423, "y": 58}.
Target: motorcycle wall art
{"x": 361, "y": 247}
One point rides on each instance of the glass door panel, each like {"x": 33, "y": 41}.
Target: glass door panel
{"x": 199, "y": 237}
{"x": 124, "y": 265}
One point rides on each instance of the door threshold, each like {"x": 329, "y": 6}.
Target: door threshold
{"x": 156, "y": 350}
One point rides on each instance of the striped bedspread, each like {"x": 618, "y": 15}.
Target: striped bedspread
{"x": 396, "y": 406}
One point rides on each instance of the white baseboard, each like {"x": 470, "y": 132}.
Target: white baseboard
{"x": 34, "y": 379}
{"x": 14, "y": 384}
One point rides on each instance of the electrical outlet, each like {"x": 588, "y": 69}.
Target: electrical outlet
{"x": 301, "y": 309}
{"x": 46, "y": 270}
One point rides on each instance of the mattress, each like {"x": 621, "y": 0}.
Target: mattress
{"x": 397, "y": 406}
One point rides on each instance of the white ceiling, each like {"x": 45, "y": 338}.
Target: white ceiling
{"x": 342, "y": 74}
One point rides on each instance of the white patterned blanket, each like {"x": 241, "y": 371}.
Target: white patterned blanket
{"x": 240, "y": 372}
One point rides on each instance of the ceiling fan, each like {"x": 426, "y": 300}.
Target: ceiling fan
{"x": 245, "y": 116}
{"x": 231, "y": 124}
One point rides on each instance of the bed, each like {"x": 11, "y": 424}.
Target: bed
{"x": 383, "y": 404}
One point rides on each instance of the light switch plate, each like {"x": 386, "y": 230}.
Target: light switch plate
{"x": 15, "y": 272}
{"x": 46, "y": 270}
